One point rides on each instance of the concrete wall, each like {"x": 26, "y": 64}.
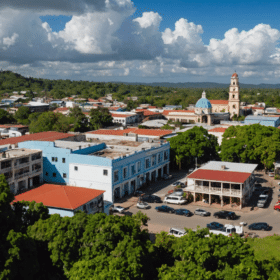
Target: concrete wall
{"x": 110, "y": 137}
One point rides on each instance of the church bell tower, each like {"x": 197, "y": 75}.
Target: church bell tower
{"x": 233, "y": 101}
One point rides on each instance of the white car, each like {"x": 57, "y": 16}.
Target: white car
{"x": 118, "y": 209}
{"x": 143, "y": 205}
{"x": 202, "y": 212}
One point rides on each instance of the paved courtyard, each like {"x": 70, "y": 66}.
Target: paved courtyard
{"x": 160, "y": 221}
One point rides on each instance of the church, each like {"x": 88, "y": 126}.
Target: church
{"x": 232, "y": 105}
{"x": 210, "y": 111}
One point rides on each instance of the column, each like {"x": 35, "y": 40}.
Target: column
{"x": 240, "y": 202}
{"x": 209, "y": 199}
{"x": 194, "y": 199}
{"x": 26, "y": 184}
{"x": 222, "y": 201}
{"x": 167, "y": 167}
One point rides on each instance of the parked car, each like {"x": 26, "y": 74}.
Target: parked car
{"x": 177, "y": 232}
{"x": 263, "y": 198}
{"x": 143, "y": 205}
{"x": 259, "y": 226}
{"x": 151, "y": 199}
{"x": 165, "y": 208}
{"x": 183, "y": 212}
{"x": 118, "y": 209}
{"x": 258, "y": 188}
{"x": 138, "y": 193}
{"x": 175, "y": 199}
{"x": 178, "y": 184}
{"x": 277, "y": 205}
{"x": 271, "y": 174}
{"x": 215, "y": 225}
{"x": 202, "y": 212}
{"x": 179, "y": 192}
{"x": 225, "y": 215}
{"x": 266, "y": 192}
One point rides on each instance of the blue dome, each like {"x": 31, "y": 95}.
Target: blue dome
{"x": 203, "y": 102}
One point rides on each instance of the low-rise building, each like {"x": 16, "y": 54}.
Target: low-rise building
{"x": 218, "y": 132}
{"x": 65, "y": 200}
{"x": 115, "y": 166}
{"x": 222, "y": 182}
{"x": 124, "y": 118}
{"x": 263, "y": 120}
{"x": 23, "y": 168}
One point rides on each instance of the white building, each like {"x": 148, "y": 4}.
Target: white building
{"x": 124, "y": 118}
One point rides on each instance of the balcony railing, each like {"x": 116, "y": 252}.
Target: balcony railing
{"x": 19, "y": 175}
{"x": 213, "y": 190}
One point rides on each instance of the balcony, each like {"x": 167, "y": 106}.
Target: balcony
{"x": 37, "y": 170}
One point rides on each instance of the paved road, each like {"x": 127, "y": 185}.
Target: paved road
{"x": 163, "y": 221}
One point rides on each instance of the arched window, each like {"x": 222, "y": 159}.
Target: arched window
{"x": 233, "y": 83}
{"x": 233, "y": 96}
{"x": 233, "y": 106}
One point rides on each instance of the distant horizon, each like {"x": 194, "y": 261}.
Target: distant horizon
{"x": 143, "y": 41}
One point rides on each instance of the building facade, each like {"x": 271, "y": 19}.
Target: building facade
{"x": 223, "y": 183}
{"x": 23, "y": 168}
{"x": 117, "y": 167}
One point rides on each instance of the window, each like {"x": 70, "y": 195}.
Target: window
{"x": 54, "y": 175}
{"x": 233, "y": 106}
{"x": 159, "y": 158}
{"x": 6, "y": 164}
{"x": 85, "y": 207}
{"x": 116, "y": 176}
{"x": 154, "y": 157}
{"x": 64, "y": 175}
{"x": 37, "y": 156}
{"x": 233, "y": 96}
{"x": 125, "y": 172}
{"x": 133, "y": 171}
{"x": 147, "y": 163}
{"x": 47, "y": 174}
{"x": 76, "y": 168}
{"x": 138, "y": 166}
{"x": 63, "y": 160}
{"x": 105, "y": 172}
{"x": 165, "y": 155}
{"x": 91, "y": 205}
{"x": 54, "y": 159}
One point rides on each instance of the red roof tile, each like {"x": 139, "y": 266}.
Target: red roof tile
{"x": 12, "y": 125}
{"x": 65, "y": 197}
{"x": 218, "y": 129}
{"x": 93, "y": 100}
{"x": 121, "y": 115}
{"x": 219, "y": 102}
{"x": 220, "y": 176}
{"x": 148, "y": 132}
{"x": 234, "y": 75}
{"x": 61, "y": 109}
{"x": 166, "y": 112}
{"x": 41, "y": 136}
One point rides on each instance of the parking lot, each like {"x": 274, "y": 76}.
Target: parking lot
{"x": 163, "y": 221}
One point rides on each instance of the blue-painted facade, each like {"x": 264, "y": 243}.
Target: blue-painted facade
{"x": 56, "y": 160}
{"x": 262, "y": 120}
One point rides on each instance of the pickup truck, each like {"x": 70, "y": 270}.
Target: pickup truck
{"x": 228, "y": 230}
{"x": 262, "y": 200}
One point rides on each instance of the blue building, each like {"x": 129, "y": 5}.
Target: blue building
{"x": 262, "y": 120}
{"x": 117, "y": 167}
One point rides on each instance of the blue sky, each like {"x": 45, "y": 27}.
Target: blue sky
{"x": 124, "y": 40}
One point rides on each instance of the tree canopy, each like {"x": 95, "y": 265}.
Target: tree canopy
{"x": 191, "y": 144}
{"x": 251, "y": 144}
{"x": 100, "y": 118}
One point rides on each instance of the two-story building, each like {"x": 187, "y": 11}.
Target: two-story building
{"x": 222, "y": 182}
{"x": 117, "y": 167}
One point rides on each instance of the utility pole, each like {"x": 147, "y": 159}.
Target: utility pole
{"x": 195, "y": 162}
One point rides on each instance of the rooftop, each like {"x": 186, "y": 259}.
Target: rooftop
{"x": 15, "y": 153}
{"x": 41, "y": 136}
{"x": 220, "y": 176}
{"x": 230, "y": 166}
{"x": 218, "y": 129}
{"x": 219, "y": 102}
{"x": 57, "y": 196}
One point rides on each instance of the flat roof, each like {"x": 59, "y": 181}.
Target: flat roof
{"x": 220, "y": 176}
{"x": 58, "y": 196}
{"x": 230, "y": 166}
{"x": 15, "y": 153}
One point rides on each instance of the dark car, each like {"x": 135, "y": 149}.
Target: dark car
{"x": 259, "y": 226}
{"x": 138, "y": 193}
{"x": 258, "y": 187}
{"x": 183, "y": 212}
{"x": 165, "y": 208}
{"x": 266, "y": 191}
{"x": 151, "y": 199}
{"x": 225, "y": 215}
{"x": 215, "y": 225}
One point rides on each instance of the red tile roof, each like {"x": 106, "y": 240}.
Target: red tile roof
{"x": 219, "y": 102}
{"x": 142, "y": 131}
{"x": 234, "y": 75}
{"x": 61, "y": 109}
{"x": 12, "y": 125}
{"x": 41, "y": 136}
{"x": 220, "y": 176}
{"x": 121, "y": 115}
{"x": 114, "y": 108}
{"x": 218, "y": 129}
{"x": 148, "y": 112}
{"x": 93, "y": 100}
{"x": 57, "y": 196}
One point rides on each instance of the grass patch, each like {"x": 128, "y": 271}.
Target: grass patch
{"x": 266, "y": 248}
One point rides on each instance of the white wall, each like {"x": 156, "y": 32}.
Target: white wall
{"x": 91, "y": 176}
{"x": 109, "y": 137}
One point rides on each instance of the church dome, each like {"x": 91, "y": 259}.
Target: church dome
{"x": 203, "y": 102}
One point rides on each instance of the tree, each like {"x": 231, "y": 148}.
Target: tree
{"x": 5, "y": 117}
{"x": 100, "y": 118}
{"x": 22, "y": 115}
{"x": 251, "y": 144}
{"x": 78, "y": 119}
{"x": 195, "y": 142}
{"x": 50, "y": 121}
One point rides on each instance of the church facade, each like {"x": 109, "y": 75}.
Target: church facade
{"x": 232, "y": 105}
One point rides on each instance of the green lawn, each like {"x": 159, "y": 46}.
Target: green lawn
{"x": 266, "y": 248}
